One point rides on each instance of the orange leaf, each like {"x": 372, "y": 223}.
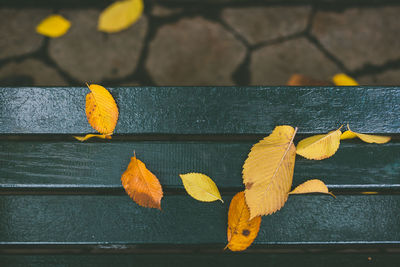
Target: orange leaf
{"x": 88, "y": 136}
{"x": 101, "y": 109}
{"x": 301, "y": 80}
{"x": 312, "y": 186}
{"x": 142, "y": 185}
{"x": 241, "y": 230}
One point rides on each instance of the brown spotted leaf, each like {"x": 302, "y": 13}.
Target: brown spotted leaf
{"x": 241, "y": 230}
{"x": 101, "y": 112}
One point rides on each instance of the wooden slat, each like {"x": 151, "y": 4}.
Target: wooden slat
{"x": 210, "y": 260}
{"x": 205, "y": 110}
{"x": 100, "y": 164}
{"x": 105, "y": 220}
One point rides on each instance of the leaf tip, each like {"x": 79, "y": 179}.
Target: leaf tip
{"x": 79, "y": 138}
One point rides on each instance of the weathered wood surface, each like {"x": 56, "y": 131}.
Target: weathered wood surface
{"x": 105, "y": 220}
{"x": 208, "y": 259}
{"x": 99, "y": 164}
{"x": 66, "y": 197}
{"x": 205, "y": 110}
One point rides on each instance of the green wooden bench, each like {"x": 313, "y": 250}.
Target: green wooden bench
{"x": 62, "y": 202}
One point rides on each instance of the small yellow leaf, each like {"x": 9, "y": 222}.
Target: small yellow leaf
{"x": 142, "y": 185}
{"x": 348, "y": 135}
{"x": 268, "y": 171}
{"x": 88, "y": 136}
{"x": 312, "y": 186}
{"x": 342, "y": 79}
{"x": 369, "y": 193}
{"x": 320, "y": 146}
{"x": 368, "y": 138}
{"x": 120, "y": 15}
{"x": 201, "y": 187}
{"x": 101, "y": 109}
{"x": 241, "y": 230}
{"x": 53, "y": 26}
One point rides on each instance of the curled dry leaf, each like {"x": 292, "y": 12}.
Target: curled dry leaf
{"x": 312, "y": 186}
{"x": 320, "y": 146}
{"x": 120, "y": 15}
{"x": 241, "y": 230}
{"x": 53, "y": 26}
{"x": 101, "y": 112}
{"x": 201, "y": 187}
{"x": 342, "y": 79}
{"x": 368, "y": 138}
{"x": 88, "y": 136}
{"x": 142, "y": 185}
{"x": 268, "y": 171}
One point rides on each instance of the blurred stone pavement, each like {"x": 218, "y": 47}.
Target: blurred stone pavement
{"x": 247, "y": 43}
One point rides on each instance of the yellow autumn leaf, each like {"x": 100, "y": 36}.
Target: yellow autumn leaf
{"x": 120, "y": 15}
{"x": 348, "y": 135}
{"x": 201, "y": 187}
{"x": 368, "y": 138}
{"x": 268, "y": 171}
{"x": 342, "y": 79}
{"x": 88, "y": 136}
{"x": 101, "y": 112}
{"x": 320, "y": 146}
{"x": 312, "y": 186}
{"x": 241, "y": 231}
{"x": 53, "y": 26}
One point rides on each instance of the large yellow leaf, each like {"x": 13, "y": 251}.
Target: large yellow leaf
{"x": 241, "y": 231}
{"x": 101, "y": 109}
{"x": 200, "y": 187}
{"x": 120, "y": 15}
{"x": 53, "y": 26}
{"x": 342, "y": 79}
{"x": 268, "y": 172}
{"x": 101, "y": 112}
{"x": 142, "y": 185}
{"x": 320, "y": 146}
{"x": 312, "y": 186}
{"x": 368, "y": 138}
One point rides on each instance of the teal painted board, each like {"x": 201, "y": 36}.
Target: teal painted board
{"x": 99, "y": 164}
{"x": 205, "y": 259}
{"x": 205, "y": 110}
{"x": 116, "y": 220}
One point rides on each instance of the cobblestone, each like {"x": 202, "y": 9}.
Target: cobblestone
{"x": 390, "y": 77}
{"x": 360, "y": 36}
{"x": 162, "y": 11}
{"x": 260, "y": 24}
{"x": 274, "y": 64}
{"x": 92, "y": 56}
{"x": 17, "y": 31}
{"x": 30, "y": 72}
{"x": 194, "y": 52}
